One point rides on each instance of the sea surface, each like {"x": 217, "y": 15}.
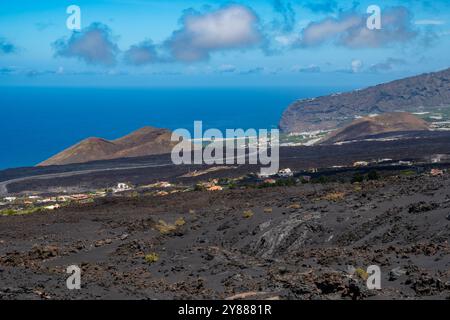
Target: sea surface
{"x": 38, "y": 122}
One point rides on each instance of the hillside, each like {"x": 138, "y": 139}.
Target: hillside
{"x": 143, "y": 142}
{"x": 368, "y": 126}
{"x": 419, "y": 93}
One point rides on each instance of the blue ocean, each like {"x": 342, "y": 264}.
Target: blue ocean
{"x": 37, "y": 122}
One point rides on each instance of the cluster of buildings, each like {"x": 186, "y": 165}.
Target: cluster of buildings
{"x": 283, "y": 173}
{"x": 19, "y": 204}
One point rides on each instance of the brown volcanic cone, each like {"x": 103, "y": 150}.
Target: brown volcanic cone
{"x": 367, "y": 126}
{"x": 143, "y": 142}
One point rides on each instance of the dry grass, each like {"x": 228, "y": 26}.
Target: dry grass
{"x": 164, "y": 227}
{"x": 180, "y": 222}
{"x": 248, "y": 214}
{"x": 334, "y": 196}
{"x": 151, "y": 257}
{"x": 361, "y": 273}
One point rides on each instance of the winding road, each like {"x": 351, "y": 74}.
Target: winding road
{"x": 4, "y": 184}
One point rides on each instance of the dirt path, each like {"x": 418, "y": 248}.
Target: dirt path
{"x": 4, "y": 184}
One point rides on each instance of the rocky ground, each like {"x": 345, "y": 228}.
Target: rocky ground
{"x": 311, "y": 241}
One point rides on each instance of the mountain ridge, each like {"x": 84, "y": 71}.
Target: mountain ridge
{"x": 417, "y": 93}
{"x": 142, "y": 142}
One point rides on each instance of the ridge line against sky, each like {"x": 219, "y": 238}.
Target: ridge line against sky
{"x": 243, "y": 41}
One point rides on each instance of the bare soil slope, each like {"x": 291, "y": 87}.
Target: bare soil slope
{"x": 384, "y": 123}
{"x": 143, "y": 142}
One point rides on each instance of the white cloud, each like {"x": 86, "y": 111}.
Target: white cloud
{"x": 350, "y": 30}
{"x": 141, "y": 54}
{"x": 231, "y": 27}
{"x": 94, "y": 45}
{"x": 357, "y": 65}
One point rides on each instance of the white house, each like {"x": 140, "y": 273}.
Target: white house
{"x": 121, "y": 187}
{"x": 285, "y": 173}
{"x": 360, "y": 164}
{"x": 52, "y": 207}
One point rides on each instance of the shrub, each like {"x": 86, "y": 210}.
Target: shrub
{"x": 164, "y": 227}
{"x": 248, "y": 214}
{"x": 334, "y": 196}
{"x": 151, "y": 257}
{"x": 407, "y": 173}
{"x": 12, "y": 212}
{"x": 322, "y": 180}
{"x": 285, "y": 182}
{"x": 8, "y": 212}
{"x": 180, "y": 222}
{"x": 361, "y": 273}
{"x": 232, "y": 185}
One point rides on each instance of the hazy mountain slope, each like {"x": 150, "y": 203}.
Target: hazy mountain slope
{"x": 329, "y": 112}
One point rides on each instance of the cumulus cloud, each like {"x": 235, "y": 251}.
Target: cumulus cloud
{"x": 387, "y": 65}
{"x": 94, "y": 45}
{"x": 6, "y": 47}
{"x": 231, "y": 27}
{"x": 350, "y": 30}
{"x": 317, "y": 33}
{"x": 141, "y": 54}
{"x": 356, "y": 65}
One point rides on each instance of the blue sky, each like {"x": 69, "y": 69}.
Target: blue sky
{"x": 218, "y": 43}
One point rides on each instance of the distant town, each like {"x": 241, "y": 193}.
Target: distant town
{"x": 27, "y": 203}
